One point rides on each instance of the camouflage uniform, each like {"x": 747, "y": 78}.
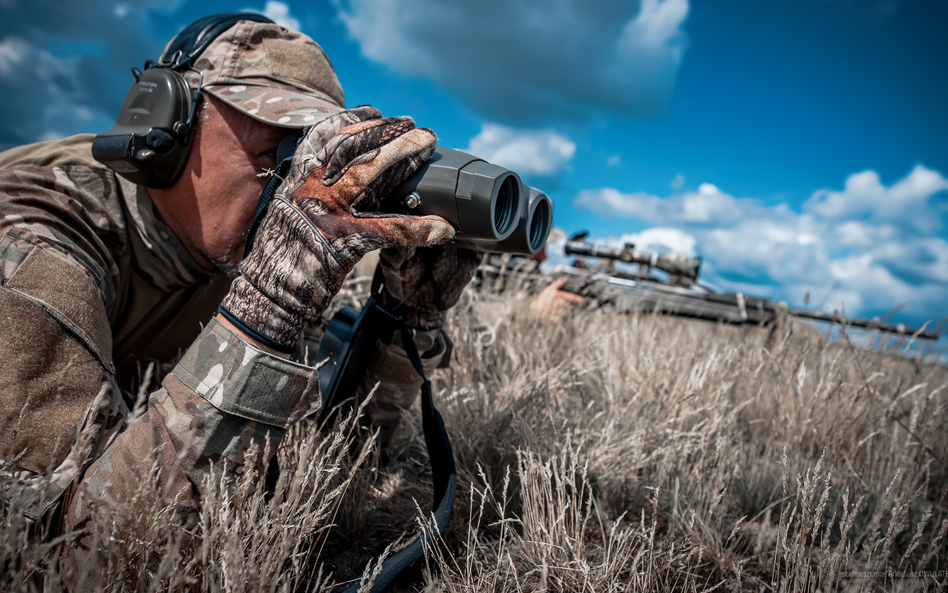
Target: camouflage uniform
{"x": 93, "y": 285}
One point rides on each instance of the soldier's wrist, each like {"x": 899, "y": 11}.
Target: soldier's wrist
{"x": 248, "y": 337}
{"x": 261, "y": 319}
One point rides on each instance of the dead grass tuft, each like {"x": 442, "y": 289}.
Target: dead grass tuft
{"x": 603, "y": 453}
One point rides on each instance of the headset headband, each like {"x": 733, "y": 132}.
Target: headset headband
{"x": 185, "y": 48}
{"x": 151, "y": 139}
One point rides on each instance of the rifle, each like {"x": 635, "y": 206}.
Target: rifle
{"x": 680, "y": 295}
{"x": 684, "y": 268}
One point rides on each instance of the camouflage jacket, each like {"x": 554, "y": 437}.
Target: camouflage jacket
{"x": 93, "y": 286}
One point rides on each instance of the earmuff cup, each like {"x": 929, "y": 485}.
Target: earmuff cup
{"x": 149, "y": 143}
{"x": 151, "y": 140}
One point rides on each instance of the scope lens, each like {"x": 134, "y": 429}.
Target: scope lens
{"x": 505, "y": 208}
{"x": 540, "y": 225}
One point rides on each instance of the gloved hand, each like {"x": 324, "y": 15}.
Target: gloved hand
{"x": 324, "y": 218}
{"x": 421, "y": 284}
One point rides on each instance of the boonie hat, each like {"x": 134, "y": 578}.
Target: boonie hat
{"x": 274, "y": 75}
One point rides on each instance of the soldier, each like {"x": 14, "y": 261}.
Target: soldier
{"x": 99, "y": 275}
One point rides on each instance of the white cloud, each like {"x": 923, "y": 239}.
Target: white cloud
{"x": 528, "y": 61}
{"x": 614, "y": 160}
{"x": 708, "y": 205}
{"x": 659, "y": 240}
{"x": 542, "y": 152}
{"x": 656, "y": 28}
{"x": 678, "y": 182}
{"x": 864, "y": 194}
{"x": 612, "y": 202}
{"x": 280, "y": 14}
{"x": 852, "y": 248}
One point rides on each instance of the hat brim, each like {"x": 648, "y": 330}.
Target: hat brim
{"x": 283, "y": 107}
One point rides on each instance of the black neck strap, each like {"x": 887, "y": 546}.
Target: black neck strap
{"x": 440, "y": 455}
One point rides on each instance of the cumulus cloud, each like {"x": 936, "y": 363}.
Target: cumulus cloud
{"x": 528, "y": 61}
{"x": 658, "y": 240}
{"x": 865, "y": 195}
{"x": 542, "y": 153}
{"x": 709, "y": 205}
{"x": 855, "y": 248}
{"x": 66, "y": 70}
{"x": 279, "y": 13}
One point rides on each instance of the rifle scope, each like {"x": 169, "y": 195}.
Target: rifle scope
{"x": 489, "y": 206}
{"x": 687, "y": 266}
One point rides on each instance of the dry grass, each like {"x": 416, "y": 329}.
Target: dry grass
{"x": 602, "y": 453}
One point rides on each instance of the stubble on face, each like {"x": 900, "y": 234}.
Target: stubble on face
{"x": 226, "y": 183}
{"x": 228, "y": 263}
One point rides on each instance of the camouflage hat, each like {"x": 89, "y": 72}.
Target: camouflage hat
{"x": 271, "y": 73}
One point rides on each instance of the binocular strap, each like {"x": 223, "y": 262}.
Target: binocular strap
{"x": 441, "y": 457}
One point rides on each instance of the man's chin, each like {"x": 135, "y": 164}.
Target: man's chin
{"x": 228, "y": 266}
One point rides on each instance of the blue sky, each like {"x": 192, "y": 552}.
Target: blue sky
{"x": 795, "y": 145}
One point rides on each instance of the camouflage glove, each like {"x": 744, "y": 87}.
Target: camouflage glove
{"x": 323, "y": 219}
{"x": 422, "y": 284}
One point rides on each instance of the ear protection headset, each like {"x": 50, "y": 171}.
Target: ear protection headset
{"x": 151, "y": 139}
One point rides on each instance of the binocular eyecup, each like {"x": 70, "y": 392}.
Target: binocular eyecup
{"x": 489, "y": 206}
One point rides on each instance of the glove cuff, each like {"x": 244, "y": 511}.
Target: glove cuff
{"x": 261, "y": 318}
{"x": 289, "y": 277}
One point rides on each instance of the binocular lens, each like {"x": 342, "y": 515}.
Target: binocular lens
{"x": 489, "y": 207}
{"x": 540, "y": 225}
{"x": 506, "y": 211}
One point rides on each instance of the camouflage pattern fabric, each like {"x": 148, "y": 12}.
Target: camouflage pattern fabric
{"x": 92, "y": 286}
{"x": 396, "y": 382}
{"x": 324, "y": 218}
{"x": 422, "y": 284}
{"x": 223, "y": 397}
{"x": 70, "y": 266}
{"x": 275, "y": 75}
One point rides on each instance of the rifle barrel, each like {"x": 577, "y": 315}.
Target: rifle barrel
{"x": 892, "y": 328}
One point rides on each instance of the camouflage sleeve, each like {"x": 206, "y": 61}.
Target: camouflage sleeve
{"x": 64, "y": 427}
{"x": 221, "y": 399}
{"x": 60, "y": 404}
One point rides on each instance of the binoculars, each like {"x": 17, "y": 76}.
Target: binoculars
{"x": 489, "y": 206}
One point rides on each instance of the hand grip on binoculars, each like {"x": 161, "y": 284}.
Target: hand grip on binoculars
{"x": 324, "y": 218}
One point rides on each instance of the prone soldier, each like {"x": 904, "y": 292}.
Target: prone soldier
{"x": 107, "y": 263}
